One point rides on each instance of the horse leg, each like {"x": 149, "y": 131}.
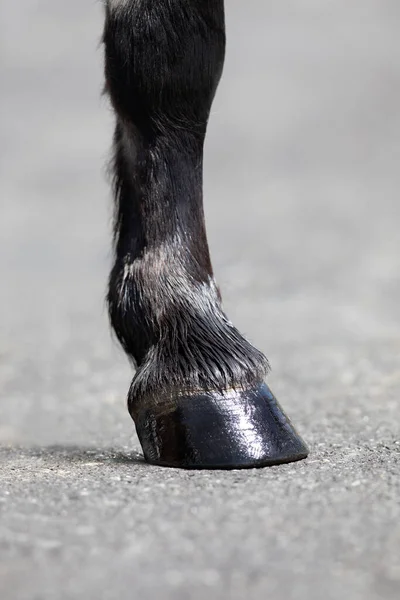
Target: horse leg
{"x": 198, "y": 398}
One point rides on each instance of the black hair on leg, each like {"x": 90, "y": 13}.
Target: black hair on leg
{"x": 163, "y": 62}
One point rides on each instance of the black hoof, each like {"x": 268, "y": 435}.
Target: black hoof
{"x": 239, "y": 429}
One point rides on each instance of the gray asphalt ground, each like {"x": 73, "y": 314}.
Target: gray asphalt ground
{"x": 302, "y": 202}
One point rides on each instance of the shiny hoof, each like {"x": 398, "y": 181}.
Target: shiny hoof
{"x": 236, "y": 430}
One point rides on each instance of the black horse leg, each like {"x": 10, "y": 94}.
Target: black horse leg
{"x": 198, "y": 397}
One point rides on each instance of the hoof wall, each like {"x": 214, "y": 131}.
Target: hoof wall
{"x": 239, "y": 429}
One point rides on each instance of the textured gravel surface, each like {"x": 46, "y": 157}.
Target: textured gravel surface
{"x": 302, "y": 203}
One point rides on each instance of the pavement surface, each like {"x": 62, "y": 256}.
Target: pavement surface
{"x": 302, "y": 204}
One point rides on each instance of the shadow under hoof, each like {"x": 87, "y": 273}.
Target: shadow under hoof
{"x": 235, "y": 430}
{"x": 77, "y": 454}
